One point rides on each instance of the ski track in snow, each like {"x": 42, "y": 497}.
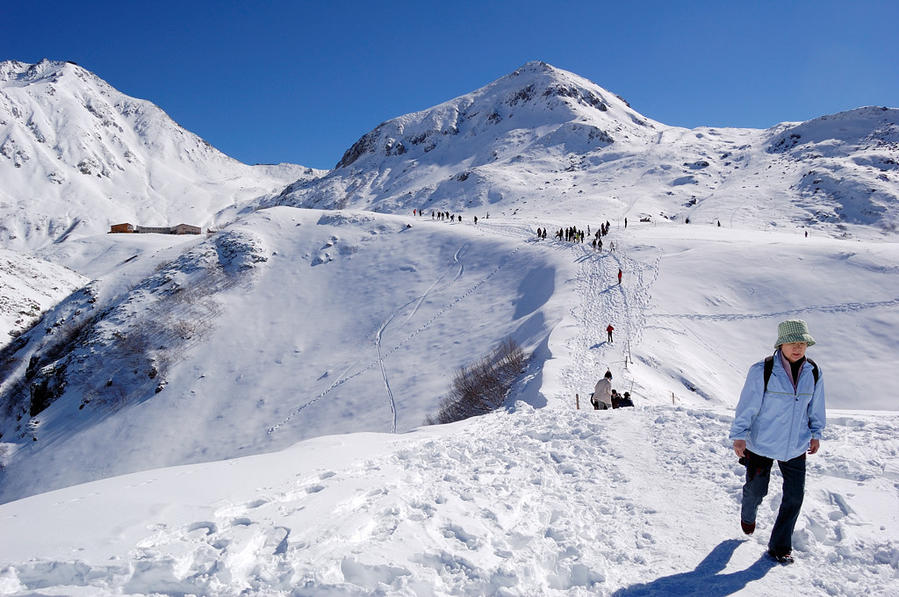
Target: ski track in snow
{"x": 390, "y": 399}
{"x": 839, "y": 308}
{"x": 418, "y": 301}
{"x": 446, "y": 308}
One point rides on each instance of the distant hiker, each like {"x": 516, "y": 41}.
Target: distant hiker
{"x": 599, "y": 244}
{"x": 413, "y": 212}
{"x": 476, "y": 220}
{"x": 538, "y": 232}
{"x": 806, "y": 234}
{"x": 719, "y": 223}
{"x": 625, "y": 222}
{"x": 619, "y": 275}
{"x": 602, "y": 393}
{"x": 619, "y": 401}
{"x": 609, "y": 331}
{"x": 780, "y": 416}
{"x": 594, "y": 244}
{"x": 611, "y": 246}
{"x": 544, "y": 233}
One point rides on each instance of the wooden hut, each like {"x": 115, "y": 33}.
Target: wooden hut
{"x": 186, "y": 229}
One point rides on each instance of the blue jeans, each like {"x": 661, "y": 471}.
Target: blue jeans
{"x": 758, "y": 473}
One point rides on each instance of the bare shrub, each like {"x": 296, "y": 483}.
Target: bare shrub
{"x": 483, "y": 386}
{"x": 132, "y": 343}
{"x": 184, "y": 329}
{"x": 67, "y": 335}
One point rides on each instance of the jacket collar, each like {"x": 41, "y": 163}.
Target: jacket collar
{"x": 785, "y": 363}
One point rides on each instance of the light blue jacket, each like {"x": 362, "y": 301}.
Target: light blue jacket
{"x": 780, "y": 423}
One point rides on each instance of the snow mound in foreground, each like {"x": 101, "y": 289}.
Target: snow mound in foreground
{"x": 640, "y": 501}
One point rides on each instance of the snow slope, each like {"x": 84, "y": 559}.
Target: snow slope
{"x": 547, "y": 500}
{"x": 552, "y": 501}
{"x": 276, "y": 329}
{"x": 77, "y": 156}
{"x": 28, "y": 287}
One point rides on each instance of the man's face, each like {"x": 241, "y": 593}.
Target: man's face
{"x": 794, "y": 350}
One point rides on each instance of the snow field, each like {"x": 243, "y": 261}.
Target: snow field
{"x": 546, "y": 501}
{"x": 329, "y": 323}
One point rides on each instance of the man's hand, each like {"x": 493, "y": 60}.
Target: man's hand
{"x": 812, "y": 446}
{"x": 740, "y": 447}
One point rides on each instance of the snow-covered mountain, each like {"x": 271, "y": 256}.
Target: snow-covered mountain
{"x": 77, "y": 155}
{"x": 542, "y": 140}
{"x": 28, "y": 287}
{"x": 264, "y": 385}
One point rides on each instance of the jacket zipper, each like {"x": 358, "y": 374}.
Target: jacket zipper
{"x": 795, "y": 402}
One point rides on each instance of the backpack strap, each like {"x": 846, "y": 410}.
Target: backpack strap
{"x": 814, "y": 369}
{"x": 769, "y": 367}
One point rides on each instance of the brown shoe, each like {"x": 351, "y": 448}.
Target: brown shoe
{"x": 748, "y": 527}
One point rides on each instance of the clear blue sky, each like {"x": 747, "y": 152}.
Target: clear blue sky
{"x": 301, "y": 81}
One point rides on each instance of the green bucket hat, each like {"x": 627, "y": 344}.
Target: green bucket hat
{"x": 793, "y": 330}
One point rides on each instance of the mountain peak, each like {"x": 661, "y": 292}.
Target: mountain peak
{"x": 537, "y": 97}
{"x": 23, "y": 72}
{"x": 77, "y": 153}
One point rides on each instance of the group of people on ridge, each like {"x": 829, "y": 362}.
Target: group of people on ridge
{"x": 576, "y": 235}
{"x": 604, "y": 396}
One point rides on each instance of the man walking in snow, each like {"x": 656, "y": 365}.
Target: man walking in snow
{"x": 609, "y": 331}
{"x": 619, "y": 275}
{"x": 602, "y": 393}
{"x": 780, "y": 417}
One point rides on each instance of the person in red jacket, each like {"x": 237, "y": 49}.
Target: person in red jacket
{"x": 609, "y": 331}
{"x": 619, "y": 275}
